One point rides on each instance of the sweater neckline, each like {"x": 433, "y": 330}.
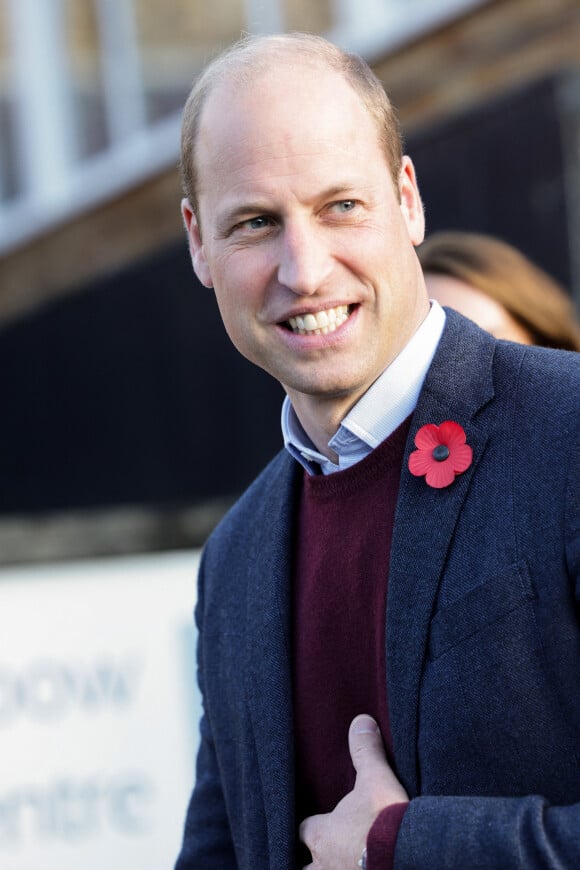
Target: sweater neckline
{"x": 386, "y": 459}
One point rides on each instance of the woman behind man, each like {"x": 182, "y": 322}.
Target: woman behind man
{"x": 495, "y": 285}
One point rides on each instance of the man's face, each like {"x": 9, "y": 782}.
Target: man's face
{"x": 304, "y": 238}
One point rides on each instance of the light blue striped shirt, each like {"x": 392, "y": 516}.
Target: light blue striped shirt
{"x": 377, "y": 414}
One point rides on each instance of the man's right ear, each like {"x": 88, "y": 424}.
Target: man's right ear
{"x": 200, "y": 265}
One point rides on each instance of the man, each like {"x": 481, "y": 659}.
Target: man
{"x": 413, "y": 553}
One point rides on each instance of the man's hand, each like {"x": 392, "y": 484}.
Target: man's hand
{"x": 336, "y": 840}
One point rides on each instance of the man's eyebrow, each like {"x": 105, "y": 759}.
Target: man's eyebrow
{"x": 231, "y": 216}
{"x": 344, "y": 191}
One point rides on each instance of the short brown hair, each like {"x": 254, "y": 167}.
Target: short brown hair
{"x": 251, "y": 55}
{"x": 505, "y": 274}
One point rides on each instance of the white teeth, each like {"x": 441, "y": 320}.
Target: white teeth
{"x": 322, "y": 322}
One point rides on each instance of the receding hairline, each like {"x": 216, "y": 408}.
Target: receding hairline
{"x": 253, "y": 54}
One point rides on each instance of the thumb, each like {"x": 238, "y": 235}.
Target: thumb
{"x": 366, "y": 744}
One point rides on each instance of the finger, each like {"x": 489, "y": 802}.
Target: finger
{"x": 366, "y": 744}
{"x": 308, "y": 832}
{"x": 308, "y": 828}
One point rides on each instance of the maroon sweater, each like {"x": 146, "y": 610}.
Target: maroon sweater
{"x": 340, "y": 585}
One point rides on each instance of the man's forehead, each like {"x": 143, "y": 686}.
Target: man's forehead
{"x": 247, "y": 136}
{"x": 241, "y": 85}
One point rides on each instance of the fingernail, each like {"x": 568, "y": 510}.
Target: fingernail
{"x": 365, "y": 726}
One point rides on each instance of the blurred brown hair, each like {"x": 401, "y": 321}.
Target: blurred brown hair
{"x": 502, "y": 272}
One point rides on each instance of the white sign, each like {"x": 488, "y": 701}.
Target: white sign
{"x": 98, "y": 713}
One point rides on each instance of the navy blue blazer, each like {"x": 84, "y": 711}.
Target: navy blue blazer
{"x": 482, "y": 635}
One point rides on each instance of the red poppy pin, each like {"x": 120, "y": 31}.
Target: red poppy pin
{"x": 441, "y": 453}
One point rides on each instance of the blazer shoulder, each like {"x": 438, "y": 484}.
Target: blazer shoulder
{"x": 546, "y": 379}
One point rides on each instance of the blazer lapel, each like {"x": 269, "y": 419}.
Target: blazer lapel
{"x": 458, "y": 385}
{"x": 268, "y": 657}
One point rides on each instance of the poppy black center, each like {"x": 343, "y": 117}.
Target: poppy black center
{"x": 441, "y": 452}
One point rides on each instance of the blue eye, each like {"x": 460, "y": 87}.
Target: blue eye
{"x": 346, "y": 205}
{"x": 258, "y": 223}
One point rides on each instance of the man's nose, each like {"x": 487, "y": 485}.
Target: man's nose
{"x": 305, "y": 260}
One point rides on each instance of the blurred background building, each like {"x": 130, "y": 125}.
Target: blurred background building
{"x": 127, "y": 421}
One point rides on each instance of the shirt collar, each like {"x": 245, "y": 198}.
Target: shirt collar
{"x": 380, "y": 411}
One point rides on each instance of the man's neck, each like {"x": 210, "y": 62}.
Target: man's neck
{"x": 321, "y": 417}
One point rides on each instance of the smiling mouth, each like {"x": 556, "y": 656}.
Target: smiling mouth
{"x": 320, "y": 323}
